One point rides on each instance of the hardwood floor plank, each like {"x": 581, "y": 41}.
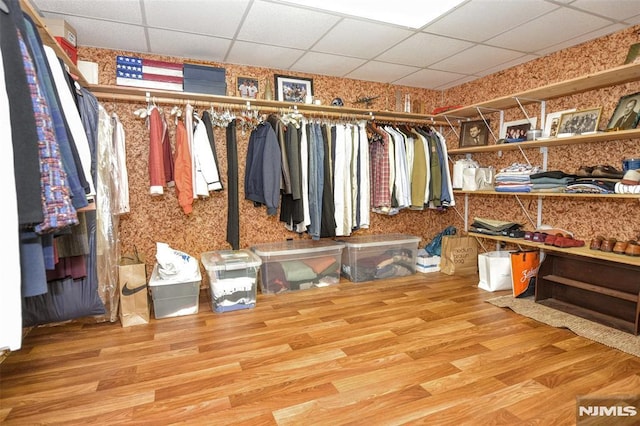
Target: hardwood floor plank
{"x": 423, "y": 349}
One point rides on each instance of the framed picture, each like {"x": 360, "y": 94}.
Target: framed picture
{"x": 516, "y": 131}
{"x": 551, "y": 123}
{"x": 579, "y": 122}
{"x": 626, "y": 114}
{"x": 294, "y": 89}
{"x": 474, "y": 133}
{"x": 247, "y": 87}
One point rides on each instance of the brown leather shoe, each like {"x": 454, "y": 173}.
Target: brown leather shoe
{"x": 607, "y": 245}
{"x": 633, "y": 248}
{"x": 620, "y": 246}
{"x": 596, "y": 242}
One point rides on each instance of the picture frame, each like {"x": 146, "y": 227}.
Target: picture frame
{"x": 627, "y": 113}
{"x": 551, "y": 123}
{"x": 516, "y": 131}
{"x": 580, "y": 122}
{"x": 293, "y": 89}
{"x": 474, "y": 133}
{"x": 247, "y": 87}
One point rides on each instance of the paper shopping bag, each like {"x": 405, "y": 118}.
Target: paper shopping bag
{"x": 495, "y": 270}
{"x": 524, "y": 271}
{"x": 459, "y": 255}
{"x": 134, "y": 297}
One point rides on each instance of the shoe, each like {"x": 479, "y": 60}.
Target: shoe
{"x": 607, "y": 172}
{"x": 607, "y": 245}
{"x": 596, "y": 243}
{"x": 564, "y": 242}
{"x": 539, "y": 237}
{"x": 633, "y": 248}
{"x": 620, "y": 246}
{"x": 551, "y": 239}
{"x": 516, "y": 233}
{"x": 585, "y": 171}
{"x": 528, "y": 235}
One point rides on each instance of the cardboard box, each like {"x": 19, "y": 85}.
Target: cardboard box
{"x": 61, "y": 28}
{"x": 70, "y": 50}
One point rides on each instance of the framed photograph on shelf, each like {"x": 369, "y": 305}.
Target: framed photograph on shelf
{"x": 579, "y": 122}
{"x": 551, "y": 123}
{"x": 293, "y": 89}
{"x": 247, "y": 87}
{"x": 474, "y": 133}
{"x": 627, "y": 113}
{"x": 516, "y": 131}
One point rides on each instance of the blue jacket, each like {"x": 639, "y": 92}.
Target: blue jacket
{"x": 263, "y": 168}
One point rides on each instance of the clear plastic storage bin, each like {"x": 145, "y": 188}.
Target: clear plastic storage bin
{"x": 298, "y": 265}
{"x": 232, "y": 276}
{"x": 172, "y": 298}
{"x": 374, "y": 257}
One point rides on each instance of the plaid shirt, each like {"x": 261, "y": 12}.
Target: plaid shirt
{"x": 56, "y": 199}
{"x": 380, "y": 171}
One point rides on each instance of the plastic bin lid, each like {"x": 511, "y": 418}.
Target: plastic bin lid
{"x": 155, "y": 279}
{"x": 229, "y": 260}
{"x": 296, "y": 247}
{"x": 380, "y": 240}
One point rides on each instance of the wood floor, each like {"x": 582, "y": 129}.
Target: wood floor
{"x": 425, "y": 349}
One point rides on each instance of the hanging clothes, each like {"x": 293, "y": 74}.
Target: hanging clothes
{"x": 263, "y": 168}
{"x": 121, "y": 181}
{"x": 233, "y": 206}
{"x": 183, "y": 169}
{"x": 207, "y": 176}
{"x": 156, "y": 161}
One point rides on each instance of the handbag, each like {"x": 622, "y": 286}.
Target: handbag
{"x": 524, "y": 272}
{"x": 494, "y": 268}
{"x": 459, "y": 255}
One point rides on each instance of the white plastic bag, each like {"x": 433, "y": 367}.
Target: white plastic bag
{"x": 176, "y": 265}
{"x": 495, "y": 270}
{"x": 458, "y": 167}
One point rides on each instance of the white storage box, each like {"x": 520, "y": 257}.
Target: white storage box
{"x": 232, "y": 276}
{"x": 494, "y": 268}
{"x": 172, "y": 298}
{"x": 373, "y": 257}
{"x": 299, "y": 264}
{"x": 426, "y": 263}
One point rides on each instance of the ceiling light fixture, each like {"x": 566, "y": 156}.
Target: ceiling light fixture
{"x": 407, "y": 13}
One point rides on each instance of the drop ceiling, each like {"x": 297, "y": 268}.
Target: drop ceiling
{"x": 477, "y": 38}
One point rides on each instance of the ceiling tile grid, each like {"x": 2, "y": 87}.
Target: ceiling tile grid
{"x": 475, "y": 38}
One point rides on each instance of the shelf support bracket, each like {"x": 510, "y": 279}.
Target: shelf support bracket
{"x": 542, "y": 109}
{"x": 526, "y": 213}
{"x": 451, "y": 126}
{"x": 479, "y": 109}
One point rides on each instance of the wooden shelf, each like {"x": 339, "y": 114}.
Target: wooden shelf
{"x": 611, "y": 77}
{"x": 136, "y": 94}
{"x": 49, "y": 40}
{"x": 589, "y": 314}
{"x": 552, "y": 142}
{"x": 578, "y": 251}
{"x": 591, "y": 287}
{"x": 550, "y": 194}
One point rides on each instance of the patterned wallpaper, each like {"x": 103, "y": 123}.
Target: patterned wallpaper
{"x": 160, "y": 219}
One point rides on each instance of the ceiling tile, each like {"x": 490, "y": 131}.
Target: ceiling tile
{"x": 197, "y": 16}
{"x": 422, "y": 50}
{"x": 381, "y": 72}
{"x": 479, "y": 20}
{"x": 623, "y": 8}
{"x": 115, "y": 10}
{"x": 121, "y": 36}
{"x": 535, "y": 35}
{"x": 429, "y": 79}
{"x": 581, "y": 39}
{"x": 325, "y": 64}
{"x": 286, "y": 26}
{"x": 262, "y": 55}
{"x": 185, "y": 45}
{"x": 476, "y": 59}
{"x": 360, "y": 39}
{"x": 507, "y": 64}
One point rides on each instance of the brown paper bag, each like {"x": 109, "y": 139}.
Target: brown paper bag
{"x": 459, "y": 255}
{"x": 134, "y": 296}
